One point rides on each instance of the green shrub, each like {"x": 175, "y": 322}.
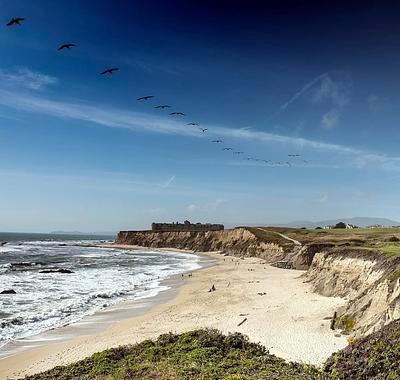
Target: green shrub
{"x": 375, "y": 357}
{"x": 199, "y": 354}
{"x": 346, "y": 323}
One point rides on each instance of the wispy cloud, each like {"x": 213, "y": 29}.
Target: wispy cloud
{"x": 206, "y": 207}
{"x": 26, "y": 78}
{"x": 323, "y": 198}
{"x": 325, "y": 90}
{"x": 330, "y": 119}
{"x": 335, "y": 93}
{"x": 137, "y": 121}
{"x": 378, "y": 104}
{"x": 216, "y": 204}
{"x": 105, "y": 116}
{"x": 304, "y": 89}
{"x": 192, "y": 207}
{"x": 168, "y": 182}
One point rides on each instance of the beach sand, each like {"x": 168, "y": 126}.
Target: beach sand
{"x": 282, "y": 313}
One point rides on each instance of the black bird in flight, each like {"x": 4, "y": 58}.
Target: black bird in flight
{"x": 146, "y": 97}
{"x": 177, "y": 113}
{"x": 204, "y": 129}
{"x": 227, "y": 149}
{"x": 238, "y": 152}
{"x": 15, "y": 21}
{"x": 293, "y": 155}
{"x": 110, "y": 71}
{"x": 66, "y": 46}
{"x": 194, "y": 124}
{"x": 163, "y": 106}
{"x": 217, "y": 141}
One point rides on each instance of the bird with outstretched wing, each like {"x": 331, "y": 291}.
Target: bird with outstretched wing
{"x": 110, "y": 71}
{"x": 66, "y": 46}
{"x": 15, "y": 21}
{"x": 146, "y": 97}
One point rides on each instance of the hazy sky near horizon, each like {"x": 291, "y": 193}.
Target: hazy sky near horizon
{"x": 269, "y": 78}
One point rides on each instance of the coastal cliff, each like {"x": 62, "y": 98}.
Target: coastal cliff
{"x": 371, "y": 283}
{"x": 368, "y": 279}
{"x": 236, "y": 242}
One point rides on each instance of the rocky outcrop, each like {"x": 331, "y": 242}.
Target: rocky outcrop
{"x": 370, "y": 281}
{"x": 237, "y": 242}
{"x": 56, "y": 270}
{"x": 8, "y": 291}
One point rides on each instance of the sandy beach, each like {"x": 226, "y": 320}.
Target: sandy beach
{"x": 282, "y": 313}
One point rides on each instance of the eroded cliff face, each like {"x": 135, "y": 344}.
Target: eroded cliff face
{"x": 370, "y": 282}
{"x": 237, "y": 242}
{"x": 303, "y": 258}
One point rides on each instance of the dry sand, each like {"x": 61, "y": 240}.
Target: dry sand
{"x": 289, "y": 319}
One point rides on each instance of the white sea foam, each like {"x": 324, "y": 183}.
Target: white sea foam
{"x": 99, "y": 276}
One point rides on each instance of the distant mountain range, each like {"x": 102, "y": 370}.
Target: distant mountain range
{"x": 357, "y": 221}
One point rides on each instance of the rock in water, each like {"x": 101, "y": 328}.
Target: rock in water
{"x": 8, "y": 291}
{"x": 57, "y": 270}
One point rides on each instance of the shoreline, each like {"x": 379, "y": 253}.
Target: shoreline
{"x": 103, "y": 318}
{"x": 282, "y": 313}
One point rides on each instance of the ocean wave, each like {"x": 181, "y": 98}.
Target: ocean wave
{"x": 100, "y": 277}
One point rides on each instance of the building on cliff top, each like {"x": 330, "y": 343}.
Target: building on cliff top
{"x": 186, "y": 226}
{"x": 343, "y": 225}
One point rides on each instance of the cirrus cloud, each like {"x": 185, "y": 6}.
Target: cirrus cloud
{"x": 26, "y": 78}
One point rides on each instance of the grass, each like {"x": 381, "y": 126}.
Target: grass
{"x": 210, "y": 355}
{"x": 199, "y": 354}
{"x": 271, "y": 237}
{"x": 370, "y": 239}
{"x": 389, "y": 249}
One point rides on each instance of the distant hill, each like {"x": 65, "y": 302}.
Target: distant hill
{"x": 358, "y": 221}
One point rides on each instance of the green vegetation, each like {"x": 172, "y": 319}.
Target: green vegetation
{"x": 200, "y": 354}
{"x": 373, "y": 240}
{"x": 271, "y": 237}
{"x": 209, "y": 355}
{"x": 346, "y": 323}
{"x": 375, "y": 357}
{"x": 389, "y": 249}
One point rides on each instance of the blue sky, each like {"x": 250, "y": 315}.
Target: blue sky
{"x": 78, "y": 152}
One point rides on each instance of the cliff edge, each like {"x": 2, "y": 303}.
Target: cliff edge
{"x": 236, "y": 242}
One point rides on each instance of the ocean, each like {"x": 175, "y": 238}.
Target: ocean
{"x": 59, "y": 279}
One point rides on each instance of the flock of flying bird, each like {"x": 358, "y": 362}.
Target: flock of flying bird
{"x": 110, "y": 71}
